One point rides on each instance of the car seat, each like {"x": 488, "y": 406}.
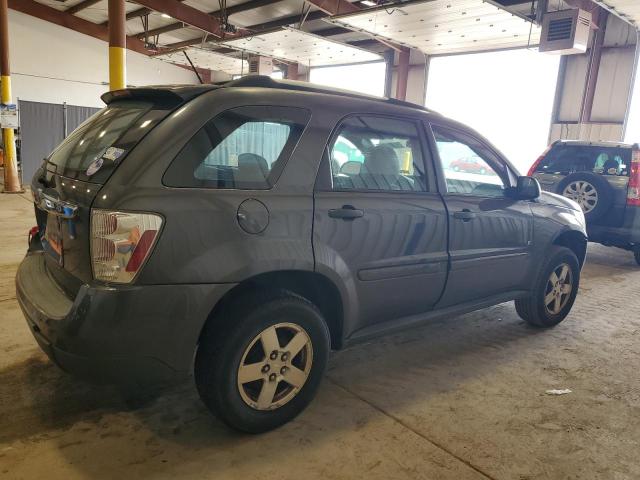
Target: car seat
{"x": 252, "y": 168}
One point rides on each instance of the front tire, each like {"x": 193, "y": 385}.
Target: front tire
{"x": 260, "y": 363}
{"x": 554, "y": 290}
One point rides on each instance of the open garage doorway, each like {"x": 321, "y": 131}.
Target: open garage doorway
{"x": 365, "y": 78}
{"x": 507, "y": 96}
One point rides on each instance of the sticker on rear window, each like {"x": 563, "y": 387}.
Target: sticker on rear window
{"x": 95, "y": 166}
{"x": 113, "y": 153}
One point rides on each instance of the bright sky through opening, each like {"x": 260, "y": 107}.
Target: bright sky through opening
{"x": 506, "y": 96}
{"x": 365, "y": 78}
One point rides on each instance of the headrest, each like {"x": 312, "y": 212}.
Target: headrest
{"x": 254, "y": 163}
{"x": 382, "y": 160}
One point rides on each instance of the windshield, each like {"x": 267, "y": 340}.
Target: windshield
{"x": 91, "y": 152}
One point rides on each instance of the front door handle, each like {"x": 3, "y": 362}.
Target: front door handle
{"x": 347, "y": 212}
{"x": 465, "y": 215}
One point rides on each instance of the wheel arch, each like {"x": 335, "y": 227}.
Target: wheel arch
{"x": 313, "y": 286}
{"x": 575, "y": 241}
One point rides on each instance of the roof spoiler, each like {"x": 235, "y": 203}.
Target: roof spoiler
{"x": 169, "y": 96}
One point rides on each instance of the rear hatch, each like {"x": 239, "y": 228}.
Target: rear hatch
{"x": 69, "y": 180}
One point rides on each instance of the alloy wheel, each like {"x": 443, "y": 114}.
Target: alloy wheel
{"x": 559, "y": 288}
{"x": 275, "y": 366}
{"x": 583, "y": 193}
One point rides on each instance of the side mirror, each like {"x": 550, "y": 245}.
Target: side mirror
{"x": 528, "y": 188}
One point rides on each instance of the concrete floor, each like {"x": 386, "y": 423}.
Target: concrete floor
{"x": 462, "y": 398}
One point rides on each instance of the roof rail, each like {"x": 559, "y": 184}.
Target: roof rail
{"x": 263, "y": 81}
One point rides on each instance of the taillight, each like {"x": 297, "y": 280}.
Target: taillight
{"x": 33, "y": 231}
{"x": 536, "y": 164}
{"x": 633, "y": 192}
{"x": 120, "y": 243}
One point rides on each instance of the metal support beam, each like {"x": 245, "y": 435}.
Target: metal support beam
{"x": 334, "y": 7}
{"x": 243, "y": 7}
{"x": 139, "y": 12}
{"x": 11, "y": 177}
{"x": 186, "y": 14}
{"x": 402, "y": 74}
{"x": 63, "y": 19}
{"x": 81, "y": 6}
{"x": 281, "y": 22}
{"x": 260, "y": 27}
{"x": 117, "y": 45}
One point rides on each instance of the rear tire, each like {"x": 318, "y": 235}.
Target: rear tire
{"x": 243, "y": 365}
{"x": 636, "y": 254}
{"x": 554, "y": 290}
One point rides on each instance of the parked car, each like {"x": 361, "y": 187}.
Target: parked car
{"x": 472, "y": 164}
{"x": 604, "y": 178}
{"x": 209, "y": 223}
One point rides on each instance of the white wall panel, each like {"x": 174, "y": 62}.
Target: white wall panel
{"x": 573, "y": 88}
{"x": 595, "y": 132}
{"x": 54, "y": 64}
{"x": 614, "y": 83}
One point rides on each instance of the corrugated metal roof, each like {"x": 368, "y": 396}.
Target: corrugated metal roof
{"x": 628, "y": 9}
{"x": 445, "y": 27}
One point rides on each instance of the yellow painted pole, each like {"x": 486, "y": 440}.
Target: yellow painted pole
{"x": 117, "y": 45}
{"x": 11, "y": 177}
{"x": 117, "y": 68}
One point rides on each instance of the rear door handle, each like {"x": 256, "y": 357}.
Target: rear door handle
{"x": 465, "y": 215}
{"x": 347, "y": 212}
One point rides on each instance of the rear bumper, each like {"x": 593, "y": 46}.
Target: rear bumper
{"x": 127, "y": 334}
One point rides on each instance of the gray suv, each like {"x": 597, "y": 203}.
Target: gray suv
{"x": 604, "y": 178}
{"x": 241, "y": 231}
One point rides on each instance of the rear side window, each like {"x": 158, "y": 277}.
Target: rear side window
{"x": 371, "y": 153}
{"x": 120, "y": 125}
{"x": 566, "y": 159}
{"x": 241, "y": 148}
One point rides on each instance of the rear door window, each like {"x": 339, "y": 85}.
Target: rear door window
{"x": 241, "y": 148}
{"x": 119, "y": 126}
{"x": 567, "y": 159}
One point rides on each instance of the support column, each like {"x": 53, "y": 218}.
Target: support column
{"x": 117, "y": 45}
{"x": 600, "y": 19}
{"x": 389, "y": 59}
{"x": 402, "y": 74}
{"x": 11, "y": 177}
{"x": 292, "y": 71}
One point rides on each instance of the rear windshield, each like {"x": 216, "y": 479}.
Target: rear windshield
{"x": 242, "y": 148}
{"x": 93, "y": 150}
{"x": 566, "y": 159}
